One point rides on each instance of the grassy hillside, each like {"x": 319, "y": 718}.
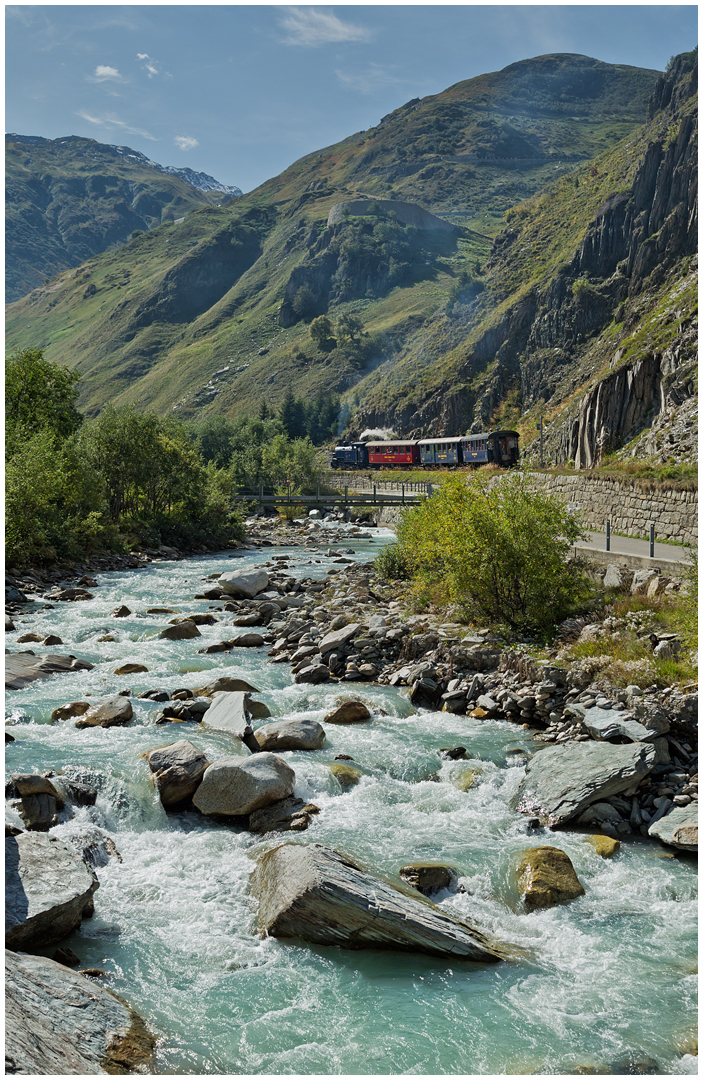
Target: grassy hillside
{"x": 187, "y": 316}
{"x": 67, "y": 199}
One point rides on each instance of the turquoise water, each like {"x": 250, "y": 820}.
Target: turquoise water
{"x": 606, "y": 979}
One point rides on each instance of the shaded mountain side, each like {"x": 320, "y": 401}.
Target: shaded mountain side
{"x": 189, "y": 314}
{"x": 589, "y": 316}
{"x": 68, "y": 199}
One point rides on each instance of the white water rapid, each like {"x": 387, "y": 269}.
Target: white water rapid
{"x": 608, "y": 980}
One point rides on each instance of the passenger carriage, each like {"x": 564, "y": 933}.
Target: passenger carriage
{"x": 389, "y": 453}
{"x": 446, "y": 451}
{"x": 491, "y": 447}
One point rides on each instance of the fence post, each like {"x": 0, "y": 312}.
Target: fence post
{"x": 261, "y": 492}
{"x": 403, "y": 494}
{"x": 607, "y": 535}
{"x": 374, "y": 494}
{"x": 346, "y": 489}
{"x": 651, "y": 541}
{"x": 429, "y": 489}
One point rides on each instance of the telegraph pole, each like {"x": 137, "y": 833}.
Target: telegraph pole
{"x": 541, "y": 441}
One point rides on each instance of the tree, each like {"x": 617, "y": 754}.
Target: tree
{"x": 304, "y": 303}
{"x": 39, "y": 394}
{"x": 349, "y": 327}
{"x": 322, "y": 332}
{"x": 499, "y": 550}
{"x": 292, "y": 416}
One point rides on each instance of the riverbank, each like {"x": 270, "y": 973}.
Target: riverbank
{"x": 438, "y": 765}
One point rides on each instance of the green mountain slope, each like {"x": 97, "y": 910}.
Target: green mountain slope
{"x": 207, "y": 315}
{"x": 68, "y": 199}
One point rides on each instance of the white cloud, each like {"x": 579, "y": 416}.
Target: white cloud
{"x": 103, "y": 72}
{"x": 110, "y": 121}
{"x": 149, "y": 65}
{"x": 185, "y": 142}
{"x": 370, "y": 80}
{"x": 142, "y": 56}
{"x": 311, "y": 27}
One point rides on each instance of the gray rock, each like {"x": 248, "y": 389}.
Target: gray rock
{"x": 678, "y": 827}
{"x": 34, "y": 784}
{"x": 232, "y": 786}
{"x": 244, "y": 582}
{"x": 95, "y": 847}
{"x": 224, "y": 682}
{"x": 228, "y": 712}
{"x": 606, "y": 724}
{"x": 314, "y": 673}
{"x": 287, "y": 815}
{"x": 108, "y": 712}
{"x": 57, "y": 1022}
{"x": 428, "y": 877}
{"x": 613, "y": 577}
{"x": 180, "y": 632}
{"x": 247, "y": 641}
{"x": 319, "y": 895}
{"x": 178, "y": 769}
{"x": 348, "y": 712}
{"x": 291, "y": 735}
{"x": 21, "y": 669}
{"x": 338, "y": 638}
{"x": 47, "y": 889}
{"x": 72, "y": 708}
{"x": 641, "y": 580}
{"x": 561, "y": 781}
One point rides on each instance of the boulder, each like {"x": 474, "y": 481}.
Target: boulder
{"x": 47, "y": 889}
{"x": 228, "y": 712}
{"x": 286, "y": 815}
{"x": 246, "y": 583}
{"x": 21, "y": 669}
{"x": 313, "y": 673}
{"x": 258, "y": 710}
{"x": 291, "y": 735}
{"x": 428, "y": 877}
{"x": 107, "y": 712}
{"x": 73, "y": 708}
{"x": 561, "y": 781}
{"x": 224, "y": 682}
{"x": 121, "y": 612}
{"x": 130, "y": 669}
{"x": 641, "y": 580}
{"x": 94, "y": 846}
{"x": 246, "y": 641}
{"x": 52, "y": 639}
{"x": 349, "y": 712}
{"x": 465, "y": 779}
{"x": 178, "y": 769}
{"x": 347, "y": 776}
{"x": 232, "y": 786}
{"x": 678, "y": 828}
{"x": 605, "y": 846}
{"x": 613, "y": 577}
{"x": 180, "y": 631}
{"x": 321, "y": 896}
{"x": 338, "y": 638}
{"x": 605, "y": 724}
{"x": 57, "y": 1022}
{"x": 545, "y": 877}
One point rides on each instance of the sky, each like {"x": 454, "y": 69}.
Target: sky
{"x": 242, "y": 91}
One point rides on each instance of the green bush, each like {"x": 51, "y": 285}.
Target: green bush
{"x": 498, "y": 550}
{"x": 391, "y": 564}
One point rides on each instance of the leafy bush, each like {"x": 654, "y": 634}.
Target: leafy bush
{"x": 391, "y": 564}
{"x": 498, "y": 550}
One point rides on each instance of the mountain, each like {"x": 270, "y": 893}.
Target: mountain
{"x": 395, "y": 225}
{"x": 68, "y": 199}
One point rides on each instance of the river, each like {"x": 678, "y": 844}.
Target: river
{"x": 608, "y": 980}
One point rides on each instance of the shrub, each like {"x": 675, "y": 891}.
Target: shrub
{"x": 391, "y": 564}
{"x": 498, "y": 550}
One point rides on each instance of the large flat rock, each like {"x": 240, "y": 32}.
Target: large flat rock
{"x": 24, "y": 668}
{"x": 678, "y": 828}
{"x": 60, "y": 1023}
{"x": 246, "y": 583}
{"x": 299, "y": 734}
{"x": 316, "y": 894}
{"x": 107, "y": 712}
{"x": 47, "y": 889}
{"x": 232, "y": 786}
{"x": 561, "y": 781}
{"x": 228, "y": 712}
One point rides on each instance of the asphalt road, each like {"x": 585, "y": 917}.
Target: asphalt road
{"x": 625, "y": 545}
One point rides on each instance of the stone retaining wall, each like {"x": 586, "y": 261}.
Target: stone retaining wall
{"x": 630, "y": 508}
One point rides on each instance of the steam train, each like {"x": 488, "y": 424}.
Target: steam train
{"x": 491, "y": 447}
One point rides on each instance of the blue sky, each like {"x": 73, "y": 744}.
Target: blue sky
{"x": 241, "y": 91}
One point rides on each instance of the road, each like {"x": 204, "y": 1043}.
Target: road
{"x": 625, "y": 545}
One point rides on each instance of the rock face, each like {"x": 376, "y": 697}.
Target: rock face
{"x": 561, "y": 781}
{"x": 107, "y": 713}
{"x": 545, "y": 877}
{"x": 291, "y": 735}
{"x": 316, "y": 894}
{"x": 178, "y": 769}
{"x": 245, "y": 583}
{"x": 233, "y": 787}
{"x": 350, "y": 712}
{"x": 228, "y": 712}
{"x": 47, "y": 889}
{"x": 678, "y": 828}
{"x": 58, "y": 1022}
{"x": 409, "y": 213}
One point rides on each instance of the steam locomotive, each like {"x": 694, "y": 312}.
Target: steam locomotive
{"x": 497, "y": 447}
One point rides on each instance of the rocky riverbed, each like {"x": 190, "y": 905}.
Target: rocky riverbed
{"x": 231, "y": 704}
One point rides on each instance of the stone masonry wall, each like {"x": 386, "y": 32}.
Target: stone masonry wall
{"x": 630, "y": 508}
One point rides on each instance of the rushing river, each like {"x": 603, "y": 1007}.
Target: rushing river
{"x": 608, "y": 979}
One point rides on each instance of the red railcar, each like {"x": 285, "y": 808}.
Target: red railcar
{"x": 403, "y": 452}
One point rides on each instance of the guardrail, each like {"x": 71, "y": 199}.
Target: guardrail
{"x": 402, "y": 495}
